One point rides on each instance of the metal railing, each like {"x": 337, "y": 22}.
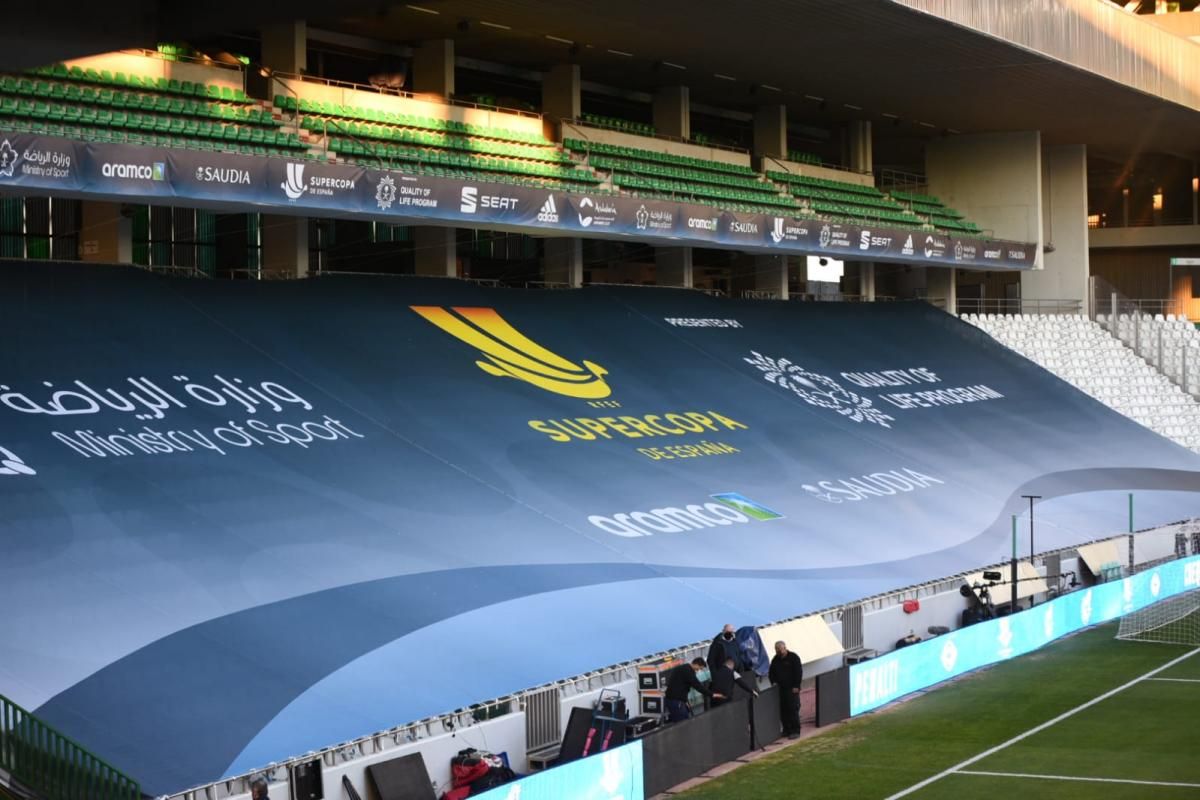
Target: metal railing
{"x": 54, "y": 766}
{"x": 1016, "y": 305}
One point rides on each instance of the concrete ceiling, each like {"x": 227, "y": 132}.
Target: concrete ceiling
{"x": 872, "y": 55}
{"x": 861, "y": 58}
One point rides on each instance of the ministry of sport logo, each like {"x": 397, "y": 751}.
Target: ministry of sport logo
{"x": 385, "y": 192}
{"x": 293, "y": 186}
{"x": 8, "y": 159}
{"x": 13, "y": 464}
{"x": 508, "y": 353}
{"x": 818, "y": 390}
{"x": 641, "y": 217}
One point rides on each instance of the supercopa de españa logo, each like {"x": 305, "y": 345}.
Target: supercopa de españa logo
{"x": 508, "y": 353}
{"x": 505, "y": 352}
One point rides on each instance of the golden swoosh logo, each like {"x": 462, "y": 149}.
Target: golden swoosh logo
{"x": 508, "y": 353}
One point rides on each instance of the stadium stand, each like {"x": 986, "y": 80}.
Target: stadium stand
{"x": 1085, "y": 355}
{"x": 846, "y": 201}
{"x": 105, "y": 106}
{"x": 935, "y": 212}
{"x": 617, "y": 124}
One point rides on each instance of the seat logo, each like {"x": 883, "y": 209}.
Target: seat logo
{"x": 508, "y": 353}
{"x": 294, "y": 186}
{"x": 12, "y": 464}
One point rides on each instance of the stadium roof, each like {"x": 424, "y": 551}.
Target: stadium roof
{"x": 827, "y": 61}
{"x": 875, "y": 55}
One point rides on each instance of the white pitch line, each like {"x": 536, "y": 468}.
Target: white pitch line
{"x": 1074, "y": 778}
{"x": 1177, "y": 680}
{"x": 1021, "y": 736}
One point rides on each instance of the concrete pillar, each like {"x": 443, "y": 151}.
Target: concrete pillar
{"x": 770, "y": 131}
{"x": 284, "y": 246}
{"x": 672, "y": 112}
{"x": 771, "y": 275}
{"x": 433, "y": 67}
{"x": 1064, "y": 273}
{"x": 993, "y": 178}
{"x": 941, "y": 288}
{"x": 563, "y": 261}
{"x": 285, "y": 46}
{"x": 435, "y": 251}
{"x": 673, "y": 266}
{"x": 561, "y": 93}
{"x": 866, "y": 281}
{"x": 107, "y": 234}
{"x": 859, "y": 145}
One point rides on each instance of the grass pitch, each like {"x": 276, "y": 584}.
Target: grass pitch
{"x": 1141, "y": 742}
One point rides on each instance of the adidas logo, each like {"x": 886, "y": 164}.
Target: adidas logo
{"x": 548, "y": 211}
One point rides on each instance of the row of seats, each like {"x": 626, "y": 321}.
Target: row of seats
{"x": 616, "y": 124}
{"x": 386, "y": 152}
{"x": 423, "y": 138}
{"x": 800, "y": 157}
{"x": 322, "y": 108}
{"x": 1172, "y": 344}
{"x": 1084, "y": 354}
{"x": 684, "y": 190}
{"x": 792, "y": 179}
{"x": 629, "y": 165}
{"x": 582, "y": 147}
{"x": 86, "y": 116}
{"x": 18, "y": 87}
{"x": 291, "y": 148}
{"x": 856, "y": 213}
{"x": 210, "y": 91}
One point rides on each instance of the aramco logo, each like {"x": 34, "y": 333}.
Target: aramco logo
{"x": 508, "y": 353}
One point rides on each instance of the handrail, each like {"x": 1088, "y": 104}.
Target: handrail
{"x": 580, "y": 123}
{"x": 54, "y": 765}
{"x": 189, "y": 59}
{"x": 401, "y": 93}
{"x": 1016, "y": 305}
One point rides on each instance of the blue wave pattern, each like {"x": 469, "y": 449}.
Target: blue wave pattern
{"x": 238, "y": 496}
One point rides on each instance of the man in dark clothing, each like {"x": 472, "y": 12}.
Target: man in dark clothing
{"x": 723, "y": 680}
{"x": 787, "y": 673}
{"x": 725, "y": 646}
{"x": 680, "y": 681}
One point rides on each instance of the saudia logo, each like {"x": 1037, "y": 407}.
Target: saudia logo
{"x": 866, "y": 487}
{"x": 508, "y": 353}
{"x": 730, "y": 508}
{"x": 12, "y": 464}
{"x": 207, "y": 174}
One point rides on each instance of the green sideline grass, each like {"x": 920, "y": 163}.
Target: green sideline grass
{"x": 1144, "y": 733}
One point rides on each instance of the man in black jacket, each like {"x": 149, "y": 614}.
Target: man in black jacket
{"x": 724, "y": 646}
{"x": 680, "y": 681}
{"x": 723, "y": 680}
{"x": 787, "y": 673}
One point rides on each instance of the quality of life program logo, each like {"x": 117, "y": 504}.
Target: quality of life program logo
{"x": 818, "y": 390}
{"x": 508, "y": 353}
{"x": 13, "y": 464}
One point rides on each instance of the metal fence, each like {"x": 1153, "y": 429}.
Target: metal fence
{"x": 53, "y": 766}
{"x": 1016, "y": 305}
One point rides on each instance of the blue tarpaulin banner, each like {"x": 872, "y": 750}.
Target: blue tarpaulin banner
{"x": 244, "y": 520}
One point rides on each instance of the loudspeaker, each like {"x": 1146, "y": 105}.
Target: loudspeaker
{"x": 306, "y": 781}
{"x": 576, "y": 736}
{"x": 403, "y": 778}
